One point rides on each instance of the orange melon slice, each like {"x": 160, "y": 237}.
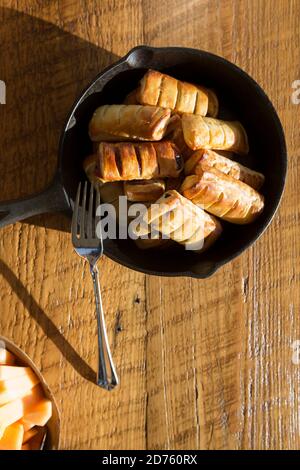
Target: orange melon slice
{"x": 17, "y": 387}
{"x": 12, "y": 438}
{"x": 15, "y": 410}
{"x": 39, "y": 414}
{"x": 11, "y": 372}
{"x": 27, "y": 427}
{"x": 6, "y": 357}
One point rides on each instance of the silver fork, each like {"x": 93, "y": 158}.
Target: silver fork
{"x": 90, "y": 247}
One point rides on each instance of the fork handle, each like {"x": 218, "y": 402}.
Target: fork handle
{"x": 107, "y": 377}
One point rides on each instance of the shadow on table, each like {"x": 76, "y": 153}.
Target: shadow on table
{"x": 44, "y": 70}
{"x": 48, "y": 327}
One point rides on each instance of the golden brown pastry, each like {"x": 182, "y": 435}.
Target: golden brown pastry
{"x": 173, "y": 123}
{"x": 144, "y": 190}
{"x": 177, "y": 218}
{"x": 223, "y": 196}
{"x": 137, "y": 161}
{"x": 109, "y": 192}
{"x": 208, "y": 133}
{"x": 159, "y": 89}
{"x": 175, "y": 134}
{"x": 203, "y": 160}
{"x": 133, "y": 122}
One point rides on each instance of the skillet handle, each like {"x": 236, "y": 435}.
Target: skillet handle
{"x": 52, "y": 199}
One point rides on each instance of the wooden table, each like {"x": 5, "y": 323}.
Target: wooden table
{"x": 203, "y": 364}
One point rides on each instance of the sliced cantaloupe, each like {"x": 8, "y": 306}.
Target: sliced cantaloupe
{"x": 6, "y": 357}
{"x": 12, "y": 438}
{"x": 18, "y": 387}
{"x": 39, "y": 414}
{"x": 11, "y": 372}
{"x": 15, "y": 410}
{"x": 27, "y": 427}
{"x": 29, "y": 434}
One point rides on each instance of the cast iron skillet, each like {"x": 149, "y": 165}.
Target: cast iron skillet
{"x": 240, "y": 98}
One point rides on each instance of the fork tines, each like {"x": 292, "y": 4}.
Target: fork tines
{"x": 85, "y": 219}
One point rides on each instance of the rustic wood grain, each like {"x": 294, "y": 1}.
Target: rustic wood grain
{"x": 203, "y": 364}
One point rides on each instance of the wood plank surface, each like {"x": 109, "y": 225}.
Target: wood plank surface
{"x": 203, "y": 364}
